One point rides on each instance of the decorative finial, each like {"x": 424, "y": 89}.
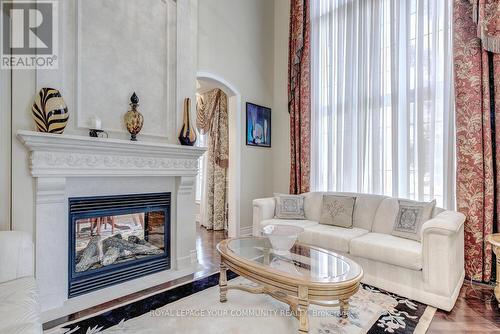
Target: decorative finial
{"x": 134, "y": 99}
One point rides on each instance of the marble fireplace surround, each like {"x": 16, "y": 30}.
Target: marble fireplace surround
{"x": 66, "y": 166}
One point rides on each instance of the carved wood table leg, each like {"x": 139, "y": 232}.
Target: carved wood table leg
{"x": 344, "y": 308}
{"x": 223, "y": 283}
{"x": 303, "y": 306}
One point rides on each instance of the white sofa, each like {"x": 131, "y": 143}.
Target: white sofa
{"x": 431, "y": 271}
{"x": 19, "y": 308}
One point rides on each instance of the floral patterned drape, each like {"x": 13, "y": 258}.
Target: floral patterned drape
{"x": 299, "y": 96}
{"x": 212, "y": 119}
{"x": 477, "y": 94}
{"x": 486, "y": 13}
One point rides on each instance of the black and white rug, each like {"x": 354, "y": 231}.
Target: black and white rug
{"x": 194, "y": 308}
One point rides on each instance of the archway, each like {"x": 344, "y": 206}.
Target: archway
{"x": 210, "y": 80}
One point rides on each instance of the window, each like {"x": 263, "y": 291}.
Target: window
{"x": 382, "y": 98}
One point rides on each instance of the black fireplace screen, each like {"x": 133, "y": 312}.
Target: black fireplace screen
{"x": 117, "y": 238}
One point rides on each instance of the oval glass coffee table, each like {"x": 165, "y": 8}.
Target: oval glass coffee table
{"x": 305, "y": 275}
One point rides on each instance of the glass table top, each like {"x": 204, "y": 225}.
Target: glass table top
{"x": 302, "y": 262}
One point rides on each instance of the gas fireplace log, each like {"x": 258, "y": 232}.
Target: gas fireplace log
{"x": 112, "y": 250}
{"x": 89, "y": 255}
{"x": 137, "y": 240}
{"x": 110, "y": 257}
{"x": 86, "y": 263}
{"x": 134, "y": 248}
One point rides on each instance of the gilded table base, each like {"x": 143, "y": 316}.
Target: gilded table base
{"x": 497, "y": 286}
{"x": 494, "y": 240}
{"x": 299, "y": 305}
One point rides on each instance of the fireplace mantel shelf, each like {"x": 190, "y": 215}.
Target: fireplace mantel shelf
{"x": 69, "y": 155}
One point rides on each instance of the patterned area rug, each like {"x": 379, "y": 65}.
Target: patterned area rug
{"x": 194, "y": 308}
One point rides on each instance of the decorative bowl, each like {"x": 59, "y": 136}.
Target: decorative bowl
{"x": 282, "y": 237}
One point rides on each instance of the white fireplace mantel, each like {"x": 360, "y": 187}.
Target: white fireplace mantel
{"x": 65, "y": 166}
{"x": 67, "y": 155}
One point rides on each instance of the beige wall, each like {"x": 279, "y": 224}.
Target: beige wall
{"x": 236, "y": 43}
{"x": 5, "y": 139}
{"x": 23, "y": 90}
{"x": 281, "y": 120}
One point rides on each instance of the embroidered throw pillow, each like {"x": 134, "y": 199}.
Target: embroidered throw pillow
{"x": 337, "y": 210}
{"x": 411, "y": 216}
{"x": 289, "y": 207}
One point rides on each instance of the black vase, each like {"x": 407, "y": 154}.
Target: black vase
{"x": 187, "y": 135}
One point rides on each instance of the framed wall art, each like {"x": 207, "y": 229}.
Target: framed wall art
{"x": 258, "y": 131}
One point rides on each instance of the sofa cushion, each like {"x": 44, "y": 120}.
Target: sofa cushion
{"x": 330, "y": 237}
{"x": 411, "y": 216}
{"x": 294, "y": 222}
{"x": 364, "y": 210}
{"x": 385, "y": 217}
{"x": 19, "y": 306}
{"x": 289, "y": 207}
{"x": 313, "y": 203}
{"x": 388, "y": 249}
{"x": 337, "y": 210}
{"x": 386, "y": 214}
{"x": 16, "y": 255}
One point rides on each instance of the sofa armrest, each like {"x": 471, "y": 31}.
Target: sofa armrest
{"x": 443, "y": 251}
{"x": 445, "y": 223}
{"x": 16, "y": 255}
{"x": 263, "y": 208}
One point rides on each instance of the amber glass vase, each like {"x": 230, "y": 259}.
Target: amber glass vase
{"x": 133, "y": 118}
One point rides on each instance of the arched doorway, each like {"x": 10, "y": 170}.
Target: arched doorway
{"x": 209, "y": 81}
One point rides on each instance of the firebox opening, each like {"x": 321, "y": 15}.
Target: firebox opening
{"x": 117, "y": 238}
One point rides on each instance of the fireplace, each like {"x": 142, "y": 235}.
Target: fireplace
{"x": 113, "y": 239}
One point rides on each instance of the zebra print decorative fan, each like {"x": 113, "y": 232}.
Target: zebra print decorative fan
{"x": 50, "y": 111}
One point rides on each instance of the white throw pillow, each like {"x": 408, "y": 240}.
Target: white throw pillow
{"x": 289, "y": 207}
{"x": 411, "y": 216}
{"x": 337, "y": 211}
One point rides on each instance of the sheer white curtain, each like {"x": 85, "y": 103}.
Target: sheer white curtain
{"x": 382, "y": 98}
